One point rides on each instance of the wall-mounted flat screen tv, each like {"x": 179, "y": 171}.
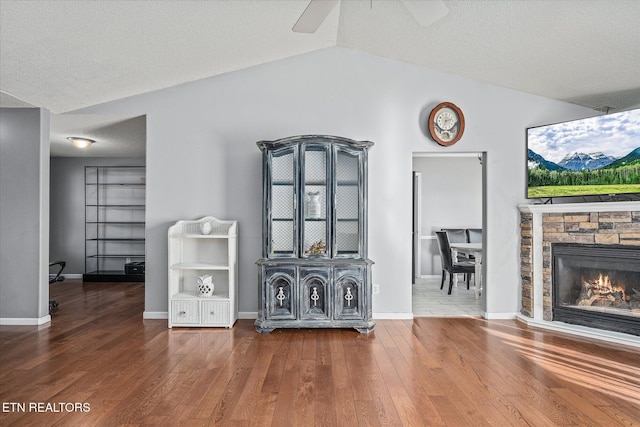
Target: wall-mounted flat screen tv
{"x": 593, "y": 156}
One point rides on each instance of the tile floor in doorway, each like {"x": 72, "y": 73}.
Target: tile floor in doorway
{"x": 429, "y": 300}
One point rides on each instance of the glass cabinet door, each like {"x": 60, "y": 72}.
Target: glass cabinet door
{"x": 348, "y": 203}
{"x": 282, "y": 204}
{"x": 315, "y": 231}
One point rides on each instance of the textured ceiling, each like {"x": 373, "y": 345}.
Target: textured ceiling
{"x": 585, "y": 52}
{"x": 115, "y": 136}
{"x": 65, "y": 55}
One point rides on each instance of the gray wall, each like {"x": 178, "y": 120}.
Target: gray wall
{"x": 66, "y": 241}
{"x": 451, "y": 198}
{"x": 202, "y": 158}
{"x": 24, "y": 215}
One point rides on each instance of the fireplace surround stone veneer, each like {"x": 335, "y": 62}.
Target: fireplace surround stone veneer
{"x": 588, "y": 223}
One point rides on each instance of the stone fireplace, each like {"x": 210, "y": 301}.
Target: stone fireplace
{"x": 580, "y": 224}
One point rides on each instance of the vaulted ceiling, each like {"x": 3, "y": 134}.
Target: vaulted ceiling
{"x": 64, "y": 55}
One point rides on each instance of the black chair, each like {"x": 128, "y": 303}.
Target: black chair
{"x": 458, "y": 235}
{"x": 474, "y": 235}
{"x": 53, "y": 278}
{"x": 448, "y": 266}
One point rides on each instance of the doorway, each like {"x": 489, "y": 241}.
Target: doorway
{"x": 120, "y": 144}
{"x": 448, "y": 192}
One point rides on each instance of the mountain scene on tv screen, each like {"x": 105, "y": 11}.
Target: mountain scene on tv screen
{"x": 582, "y": 161}
{"x": 598, "y": 155}
{"x": 583, "y": 174}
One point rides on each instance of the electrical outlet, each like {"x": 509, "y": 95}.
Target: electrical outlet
{"x": 376, "y": 289}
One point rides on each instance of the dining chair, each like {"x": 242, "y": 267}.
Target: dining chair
{"x": 448, "y": 266}
{"x": 457, "y": 235}
{"x": 474, "y": 235}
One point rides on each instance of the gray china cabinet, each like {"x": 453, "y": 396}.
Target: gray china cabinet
{"x": 314, "y": 271}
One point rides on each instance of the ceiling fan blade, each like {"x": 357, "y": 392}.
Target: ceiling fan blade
{"x": 426, "y": 12}
{"x": 314, "y": 15}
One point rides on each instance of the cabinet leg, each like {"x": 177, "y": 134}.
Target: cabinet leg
{"x": 263, "y": 330}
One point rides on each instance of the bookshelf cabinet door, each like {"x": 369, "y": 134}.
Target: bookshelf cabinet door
{"x": 281, "y": 293}
{"x": 349, "y": 293}
{"x": 314, "y": 283}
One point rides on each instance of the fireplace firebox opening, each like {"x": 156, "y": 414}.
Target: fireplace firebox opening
{"x": 597, "y": 286}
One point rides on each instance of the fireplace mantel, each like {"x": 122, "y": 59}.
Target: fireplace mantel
{"x": 581, "y": 207}
{"x": 541, "y": 225}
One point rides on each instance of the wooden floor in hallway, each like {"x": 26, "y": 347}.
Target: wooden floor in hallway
{"x": 98, "y": 363}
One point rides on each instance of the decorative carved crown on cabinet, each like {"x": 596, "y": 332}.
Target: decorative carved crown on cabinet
{"x": 314, "y": 271}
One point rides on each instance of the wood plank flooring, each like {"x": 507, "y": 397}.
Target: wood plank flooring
{"x": 100, "y": 364}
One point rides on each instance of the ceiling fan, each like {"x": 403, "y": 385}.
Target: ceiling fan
{"x": 425, "y": 12}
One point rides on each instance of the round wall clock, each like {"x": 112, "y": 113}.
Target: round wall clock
{"x": 446, "y": 124}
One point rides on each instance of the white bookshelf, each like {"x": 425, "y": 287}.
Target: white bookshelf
{"x": 194, "y": 253}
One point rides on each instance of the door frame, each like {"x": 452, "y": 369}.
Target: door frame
{"x": 417, "y": 240}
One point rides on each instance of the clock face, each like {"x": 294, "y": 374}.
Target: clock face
{"x": 446, "y": 124}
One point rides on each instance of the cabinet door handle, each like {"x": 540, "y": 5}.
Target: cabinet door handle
{"x": 182, "y": 313}
{"x": 280, "y": 297}
{"x": 348, "y": 297}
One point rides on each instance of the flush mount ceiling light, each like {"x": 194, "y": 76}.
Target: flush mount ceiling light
{"x": 80, "y": 142}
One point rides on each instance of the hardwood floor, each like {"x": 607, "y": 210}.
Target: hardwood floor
{"x": 99, "y": 363}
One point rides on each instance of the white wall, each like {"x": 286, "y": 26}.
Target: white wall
{"x": 451, "y": 198}
{"x": 202, "y": 158}
{"x": 24, "y": 216}
{"x": 67, "y": 236}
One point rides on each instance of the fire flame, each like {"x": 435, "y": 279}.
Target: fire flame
{"x": 603, "y": 287}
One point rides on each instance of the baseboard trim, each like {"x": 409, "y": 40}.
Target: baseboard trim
{"x": 248, "y": 315}
{"x": 25, "y": 321}
{"x": 581, "y": 331}
{"x": 393, "y": 316}
{"x": 498, "y": 316}
{"x": 155, "y": 315}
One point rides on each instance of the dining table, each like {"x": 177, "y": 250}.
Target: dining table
{"x": 476, "y": 250}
